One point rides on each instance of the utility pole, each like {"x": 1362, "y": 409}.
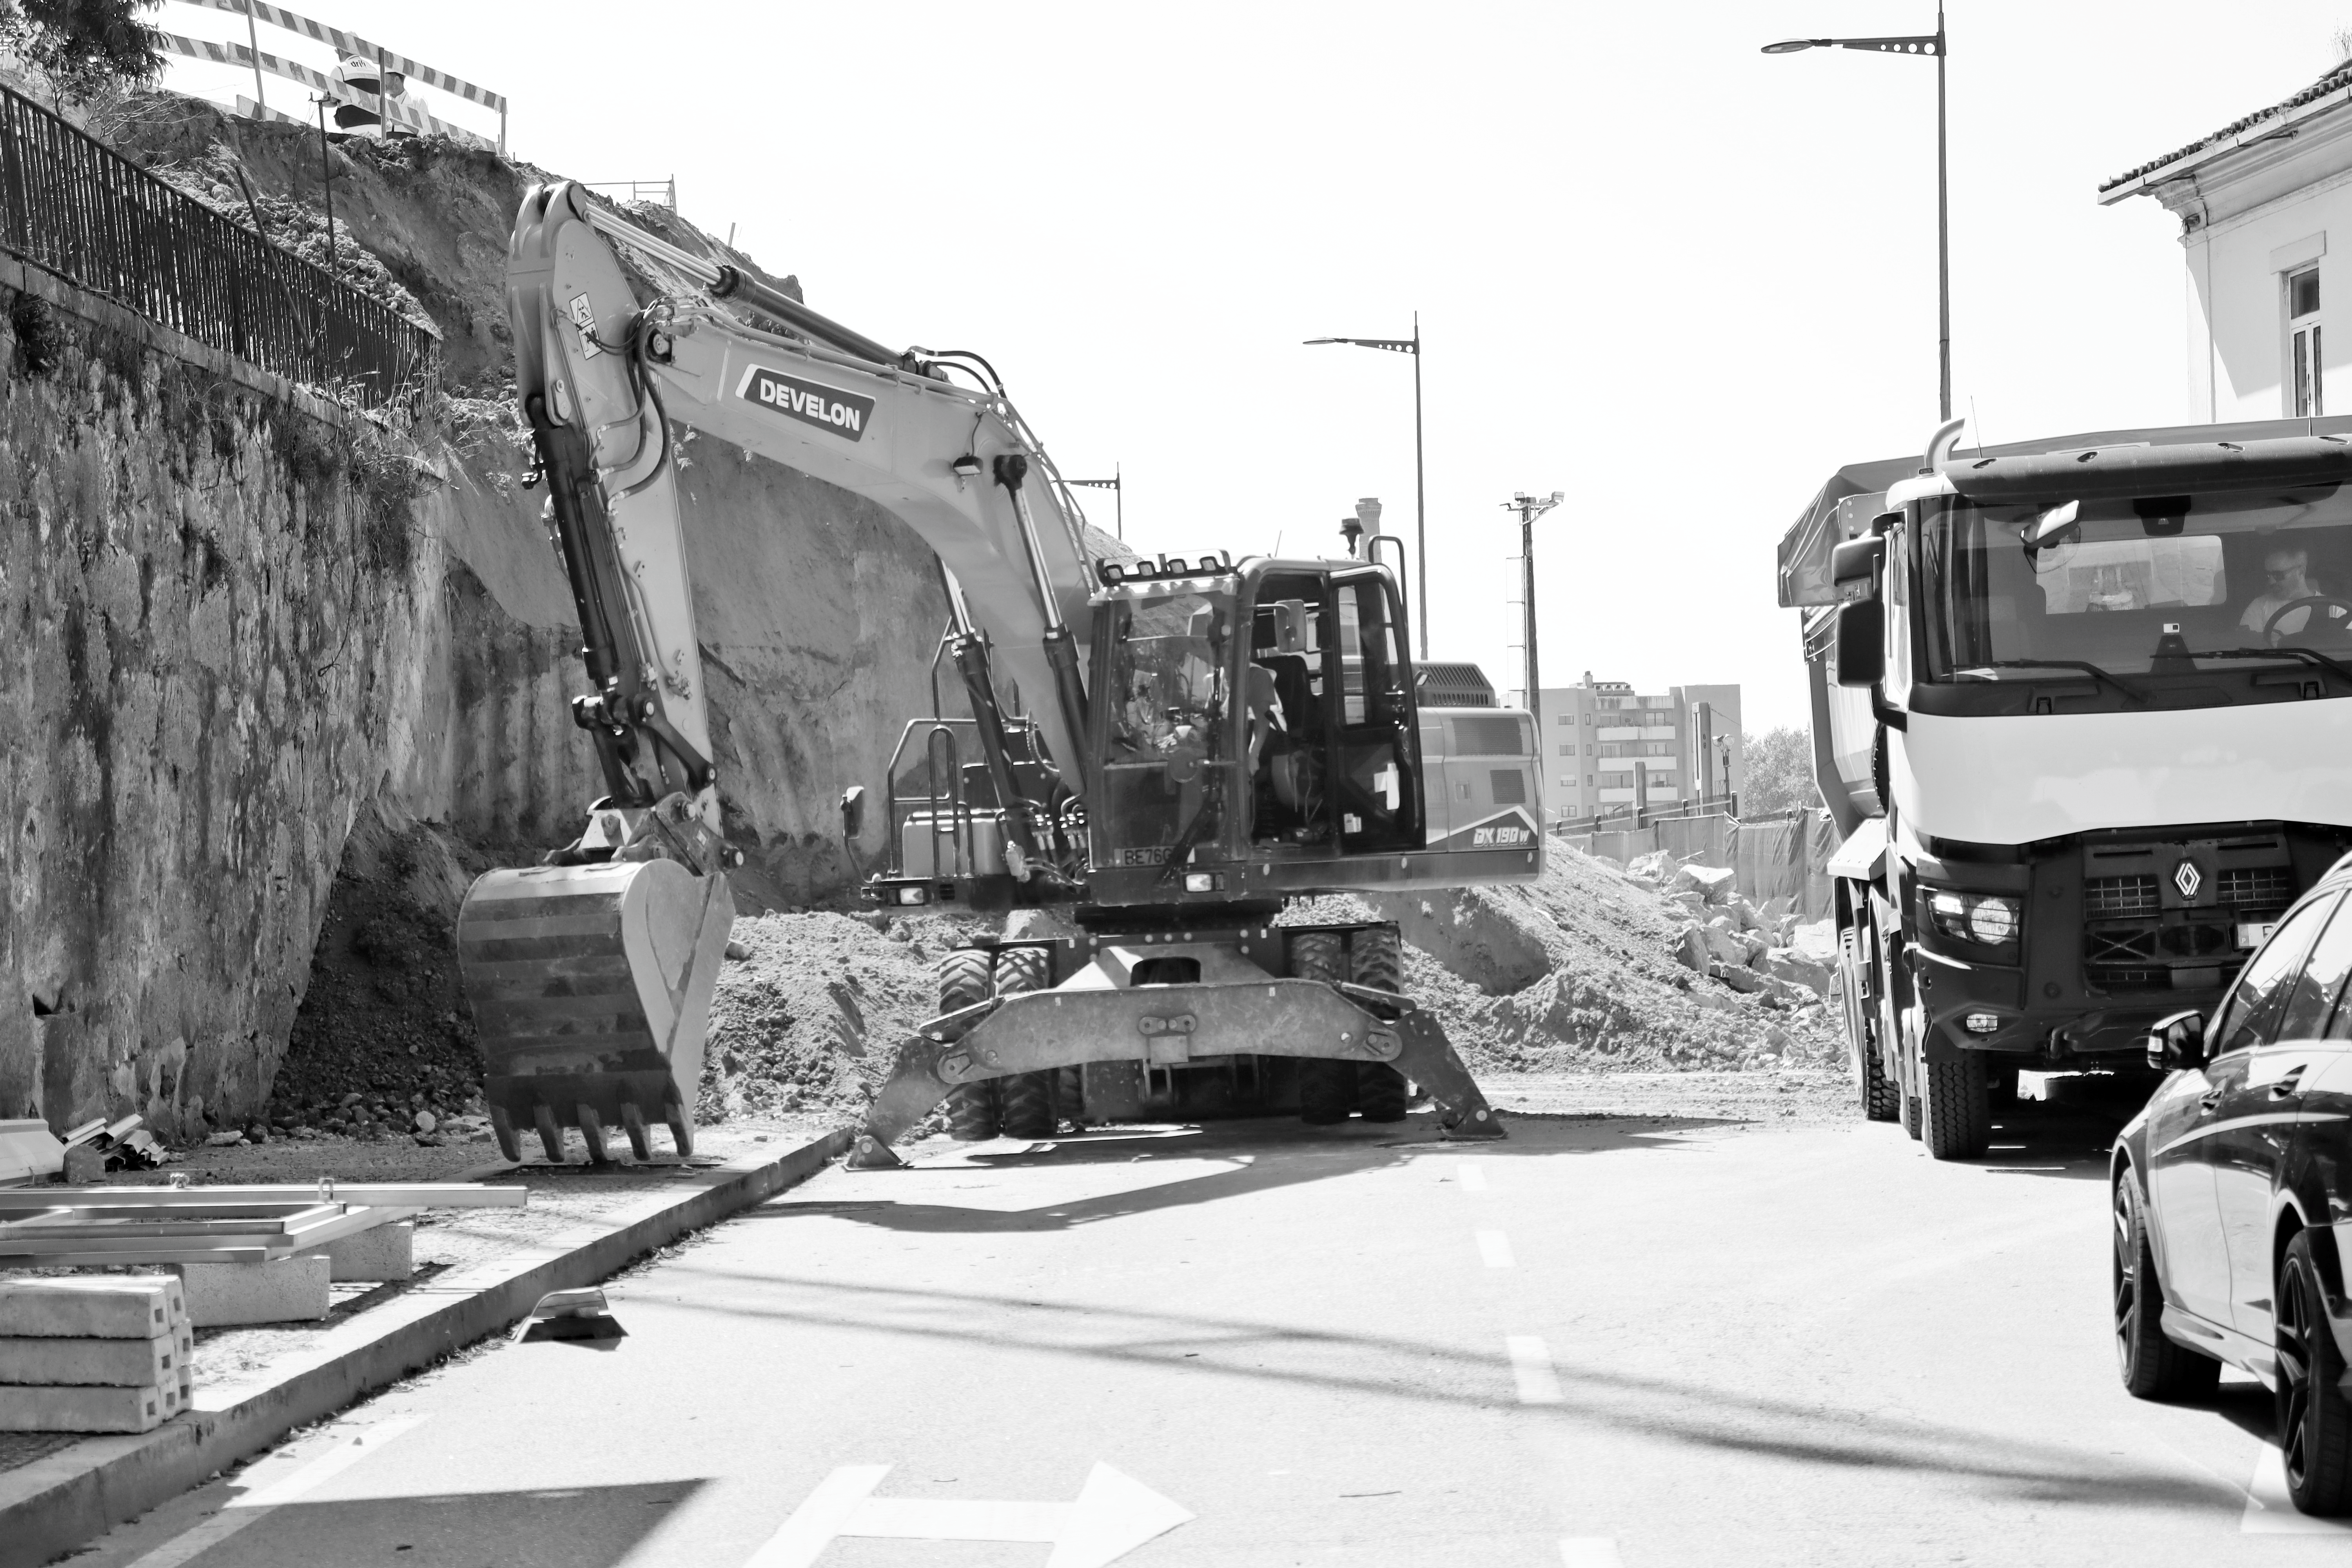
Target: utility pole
{"x": 1531, "y": 508}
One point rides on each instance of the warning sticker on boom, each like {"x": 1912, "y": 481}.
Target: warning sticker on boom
{"x": 827, "y": 407}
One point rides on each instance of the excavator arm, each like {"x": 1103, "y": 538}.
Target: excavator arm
{"x": 590, "y": 976}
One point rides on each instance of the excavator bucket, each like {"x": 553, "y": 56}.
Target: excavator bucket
{"x": 590, "y": 987}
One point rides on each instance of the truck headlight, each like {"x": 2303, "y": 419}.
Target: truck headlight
{"x": 1985, "y": 918}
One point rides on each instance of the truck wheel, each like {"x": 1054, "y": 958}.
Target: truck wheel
{"x": 963, "y": 983}
{"x": 1890, "y": 1027}
{"x": 1327, "y": 1089}
{"x": 2153, "y": 1366}
{"x": 2314, "y": 1422}
{"x": 1956, "y": 1116}
{"x": 1376, "y": 958}
{"x": 1882, "y": 1099}
{"x": 1027, "y": 1098}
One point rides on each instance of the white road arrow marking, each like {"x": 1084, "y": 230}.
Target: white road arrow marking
{"x": 1115, "y": 1514}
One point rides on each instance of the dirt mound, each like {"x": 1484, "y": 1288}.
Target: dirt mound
{"x": 383, "y": 1030}
{"x": 813, "y": 1014}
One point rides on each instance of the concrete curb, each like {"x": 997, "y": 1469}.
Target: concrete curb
{"x": 55, "y": 1504}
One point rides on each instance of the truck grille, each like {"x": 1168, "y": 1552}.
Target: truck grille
{"x": 2258, "y": 888}
{"x": 2119, "y": 897}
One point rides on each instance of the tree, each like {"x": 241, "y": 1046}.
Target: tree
{"x": 86, "y": 49}
{"x": 1779, "y": 773}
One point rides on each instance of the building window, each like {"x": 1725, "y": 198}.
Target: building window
{"x": 1657, "y": 748}
{"x": 1568, "y": 750}
{"x": 2305, "y": 398}
{"x": 1588, "y": 747}
{"x": 1587, "y": 780}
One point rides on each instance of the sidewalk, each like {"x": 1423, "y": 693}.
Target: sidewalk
{"x": 54, "y": 1503}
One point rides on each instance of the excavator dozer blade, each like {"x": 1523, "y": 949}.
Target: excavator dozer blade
{"x": 590, "y": 987}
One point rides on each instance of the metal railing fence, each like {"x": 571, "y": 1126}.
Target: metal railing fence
{"x": 72, "y": 207}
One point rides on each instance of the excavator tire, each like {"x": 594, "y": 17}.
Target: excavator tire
{"x": 1027, "y": 1097}
{"x": 963, "y": 983}
{"x": 1376, "y": 958}
{"x": 1327, "y": 1089}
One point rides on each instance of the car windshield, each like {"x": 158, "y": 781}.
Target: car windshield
{"x": 2128, "y": 587}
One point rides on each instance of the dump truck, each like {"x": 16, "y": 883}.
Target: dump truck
{"x": 2079, "y": 710}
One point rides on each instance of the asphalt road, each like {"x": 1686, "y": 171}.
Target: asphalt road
{"x": 1645, "y": 1343}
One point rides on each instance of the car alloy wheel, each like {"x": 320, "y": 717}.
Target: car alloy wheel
{"x": 2153, "y": 1367}
{"x": 2314, "y": 1421}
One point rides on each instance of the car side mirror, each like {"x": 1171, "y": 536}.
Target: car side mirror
{"x": 1861, "y": 647}
{"x": 853, "y": 811}
{"x": 2177, "y": 1040}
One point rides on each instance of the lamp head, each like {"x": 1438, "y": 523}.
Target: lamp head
{"x": 1795, "y": 46}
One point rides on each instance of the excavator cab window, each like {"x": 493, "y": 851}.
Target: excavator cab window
{"x": 1287, "y": 723}
{"x": 1376, "y": 772}
{"x": 1165, "y": 704}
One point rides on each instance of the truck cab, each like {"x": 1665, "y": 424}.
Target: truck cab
{"x": 2079, "y": 708}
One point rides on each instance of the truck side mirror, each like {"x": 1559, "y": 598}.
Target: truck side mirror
{"x": 1854, "y": 567}
{"x": 2177, "y": 1040}
{"x": 853, "y": 811}
{"x": 1860, "y": 649}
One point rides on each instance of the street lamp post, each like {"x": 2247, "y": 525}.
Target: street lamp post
{"x": 1931, "y": 44}
{"x": 1531, "y": 508}
{"x": 1118, "y": 496}
{"x": 1412, "y": 345}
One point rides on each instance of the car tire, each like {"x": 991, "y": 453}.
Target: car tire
{"x": 963, "y": 983}
{"x": 1956, "y": 1116}
{"x": 2315, "y": 1420}
{"x": 1025, "y": 1100}
{"x": 2153, "y": 1367}
{"x": 1327, "y": 1089}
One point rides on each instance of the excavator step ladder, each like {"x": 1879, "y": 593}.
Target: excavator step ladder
{"x": 590, "y": 987}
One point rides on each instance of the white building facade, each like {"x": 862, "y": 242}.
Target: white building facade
{"x": 2259, "y": 202}
{"x": 1607, "y": 747}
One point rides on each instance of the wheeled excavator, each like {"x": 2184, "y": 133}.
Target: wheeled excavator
{"x": 1211, "y": 740}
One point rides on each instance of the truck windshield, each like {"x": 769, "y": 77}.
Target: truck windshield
{"x": 2140, "y": 584}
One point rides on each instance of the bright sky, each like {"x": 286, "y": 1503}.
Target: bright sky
{"x": 1675, "y": 278}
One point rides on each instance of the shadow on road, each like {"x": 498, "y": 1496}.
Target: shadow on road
{"x": 1699, "y": 1414}
{"x": 2068, "y": 1131}
{"x": 590, "y": 1527}
{"x": 1258, "y": 1156}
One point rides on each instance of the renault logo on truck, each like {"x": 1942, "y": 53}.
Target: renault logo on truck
{"x": 827, "y": 407}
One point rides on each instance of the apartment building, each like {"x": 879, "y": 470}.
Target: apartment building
{"x": 1607, "y": 747}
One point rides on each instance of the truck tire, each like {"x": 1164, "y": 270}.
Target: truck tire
{"x": 963, "y": 983}
{"x": 2315, "y": 1420}
{"x": 1376, "y": 958}
{"x": 1327, "y": 1089}
{"x": 1890, "y": 1028}
{"x": 1027, "y": 1098}
{"x": 2153, "y": 1367}
{"x": 1882, "y": 1099}
{"x": 1956, "y": 1113}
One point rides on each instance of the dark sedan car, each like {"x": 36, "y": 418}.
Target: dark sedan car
{"x": 2232, "y": 1193}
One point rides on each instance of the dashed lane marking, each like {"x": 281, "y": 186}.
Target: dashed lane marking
{"x": 1531, "y": 1368}
{"x": 253, "y": 1506}
{"x": 2271, "y": 1511}
{"x": 1474, "y": 1175}
{"x": 1588, "y": 1551}
{"x": 1495, "y": 1247}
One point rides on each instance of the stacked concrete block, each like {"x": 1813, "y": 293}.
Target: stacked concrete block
{"x": 281, "y": 1290}
{"x": 98, "y": 1354}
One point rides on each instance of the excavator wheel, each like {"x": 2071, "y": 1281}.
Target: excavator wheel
{"x": 502, "y": 1127}
{"x": 1327, "y": 1089}
{"x": 963, "y": 983}
{"x": 592, "y": 1132}
{"x": 551, "y": 1133}
{"x": 1070, "y": 1096}
{"x": 1376, "y": 958}
{"x": 633, "y": 1122}
{"x": 1028, "y": 1096}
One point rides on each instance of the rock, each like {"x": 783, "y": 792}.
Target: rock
{"x": 1656, "y": 865}
{"x": 1742, "y": 979}
{"x": 1722, "y": 941}
{"x": 424, "y": 1121}
{"x": 225, "y": 1140}
{"x": 1798, "y": 970}
{"x": 1712, "y": 883}
{"x": 1746, "y": 913}
{"x": 737, "y": 951}
{"x": 1817, "y": 940}
{"x": 1690, "y": 948}
{"x": 350, "y": 1099}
